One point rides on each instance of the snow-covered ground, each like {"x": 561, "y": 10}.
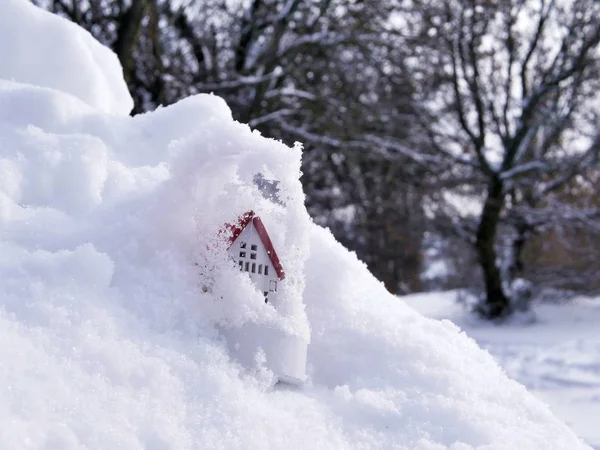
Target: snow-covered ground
{"x": 557, "y": 357}
{"x": 108, "y": 338}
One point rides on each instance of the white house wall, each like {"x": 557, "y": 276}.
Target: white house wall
{"x": 244, "y": 256}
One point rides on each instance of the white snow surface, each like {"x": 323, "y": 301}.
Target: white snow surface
{"x": 556, "y": 356}
{"x": 43, "y": 49}
{"x": 107, "y": 235}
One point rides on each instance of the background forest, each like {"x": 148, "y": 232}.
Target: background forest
{"x": 450, "y": 143}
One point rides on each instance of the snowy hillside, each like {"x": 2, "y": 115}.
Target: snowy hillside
{"x": 108, "y": 340}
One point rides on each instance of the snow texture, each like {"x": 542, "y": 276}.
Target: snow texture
{"x": 556, "y": 356}
{"x": 110, "y": 339}
{"x": 45, "y": 50}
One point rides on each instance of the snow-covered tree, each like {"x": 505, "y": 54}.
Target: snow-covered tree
{"x": 514, "y": 110}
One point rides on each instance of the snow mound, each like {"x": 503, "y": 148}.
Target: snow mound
{"x": 42, "y": 49}
{"x": 107, "y": 236}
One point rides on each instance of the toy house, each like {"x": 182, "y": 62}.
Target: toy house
{"x": 252, "y": 250}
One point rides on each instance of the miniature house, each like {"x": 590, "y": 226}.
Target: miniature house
{"x": 253, "y": 253}
{"x": 252, "y": 250}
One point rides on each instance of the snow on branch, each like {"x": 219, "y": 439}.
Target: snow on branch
{"x": 271, "y": 116}
{"x": 524, "y": 168}
{"x": 385, "y": 147}
{"x": 252, "y": 80}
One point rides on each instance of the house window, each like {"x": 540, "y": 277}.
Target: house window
{"x": 273, "y": 286}
{"x": 266, "y": 296}
{"x": 252, "y": 255}
{"x": 241, "y": 265}
{"x": 247, "y": 266}
{"x": 253, "y": 247}
{"x": 266, "y": 270}
{"x": 260, "y": 269}
{"x": 253, "y": 267}
{"x": 242, "y": 245}
{"x": 242, "y": 254}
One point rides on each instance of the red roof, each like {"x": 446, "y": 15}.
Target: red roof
{"x": 239, "y": 226}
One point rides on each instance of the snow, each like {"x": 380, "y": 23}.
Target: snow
{"x": 557, "y": 356}
{"x": 107, "y": 238}
{"x": 45, "y": 50}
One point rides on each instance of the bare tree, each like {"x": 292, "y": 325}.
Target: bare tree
{"x": 514, "y": 105}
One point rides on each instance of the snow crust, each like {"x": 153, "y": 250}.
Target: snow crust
{"x": 109, "y": 339}
{"x": 45, "y": 50}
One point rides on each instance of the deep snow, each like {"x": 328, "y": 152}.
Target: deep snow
{"x": 557, "y": 356}
{"x": 108, "y": 340}
{"x": 43, "y": 50}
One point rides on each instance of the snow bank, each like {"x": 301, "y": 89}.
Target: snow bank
{"x": 557, "y": 356}
{"x": 107, "y": 227}
{"x": 42, "y": 49}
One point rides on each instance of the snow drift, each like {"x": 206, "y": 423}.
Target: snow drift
{"x": 108, "y": 340}
{"x": 46, "y": 50}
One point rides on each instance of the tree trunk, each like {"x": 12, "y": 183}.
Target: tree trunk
{"x": 496, "y": 304}
{"x": 516, "y": 266}
{"x": 130, "y": 24}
